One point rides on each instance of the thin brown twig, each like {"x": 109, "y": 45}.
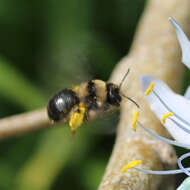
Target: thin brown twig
{"x": 23, "y": 123}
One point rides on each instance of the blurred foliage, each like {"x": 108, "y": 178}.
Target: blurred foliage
{"x": 46, "y": 46}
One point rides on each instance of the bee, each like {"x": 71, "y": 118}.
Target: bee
{"x": 74, "y": 105}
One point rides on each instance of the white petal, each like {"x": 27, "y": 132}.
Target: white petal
{"x": 187, "y": 93}
{"x": 184, "y": 42}
{"x": 173, "y": 102}
{"x": 185, "y": 185}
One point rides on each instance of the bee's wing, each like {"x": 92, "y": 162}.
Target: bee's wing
{"x": 105, "y": 123}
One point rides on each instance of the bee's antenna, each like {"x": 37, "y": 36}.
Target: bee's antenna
{"x": 131, "y": 100}
{"x": 123, "y": 79}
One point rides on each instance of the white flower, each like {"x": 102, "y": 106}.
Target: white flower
{"x": 163, "y": 100}
{"x": 172, "y": 109}
{"x": 185, "y": 185}
{"x": 183, "y": 41}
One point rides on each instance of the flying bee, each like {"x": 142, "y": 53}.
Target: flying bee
{"x": 74, "y": 105}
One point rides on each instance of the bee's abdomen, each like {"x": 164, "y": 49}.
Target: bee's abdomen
{"x": 61, "y": 104}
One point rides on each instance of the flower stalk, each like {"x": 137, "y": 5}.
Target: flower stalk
{"x": 162, "y": 99}
{"x": 155, "y": 51}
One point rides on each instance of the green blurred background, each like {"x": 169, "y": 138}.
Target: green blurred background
{"x": 46, "y": 46}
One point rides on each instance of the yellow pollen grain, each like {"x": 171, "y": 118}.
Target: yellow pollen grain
{"x": 164, "y": 117}
{"x": 77, "y": 118}
{"x": 131, "y": 165}
{"x": 134, "y": 121}
{"x": 75, "y": 88}
{"x": 149, "y": 89}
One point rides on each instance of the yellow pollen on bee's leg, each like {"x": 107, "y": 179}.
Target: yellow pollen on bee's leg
{"x": 131, "y": 165}
{"x": 77, "y": 118}
{"x": 149, "y": 89}
{"x": 164, "y": 117}
{"x": 134, "y": 121}
{"x": 75, "y": 88}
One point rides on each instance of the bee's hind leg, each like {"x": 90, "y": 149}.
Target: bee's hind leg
{"x": 77, "y": 117}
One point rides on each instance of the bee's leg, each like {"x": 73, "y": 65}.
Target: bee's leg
{"x": 105, "y": 106}
{"x": 77, "y": 117}
{"x": 86, "y": 116}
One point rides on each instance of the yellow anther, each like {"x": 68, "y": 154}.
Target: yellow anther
{"x": 75, "y": 88}
{"x": 131, "y": 165}
{"x": 134, "y": 121}
{"x": 164, "y": 117}
{"x": 77, "y": 118}
{"x": 149, "y": 89}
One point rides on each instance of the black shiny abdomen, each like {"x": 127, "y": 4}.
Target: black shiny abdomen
{"x": 113, "y": 94}
{"x": 61, "y": 104}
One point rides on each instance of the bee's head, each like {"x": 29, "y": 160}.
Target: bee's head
{"x": 113, "y": 94}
